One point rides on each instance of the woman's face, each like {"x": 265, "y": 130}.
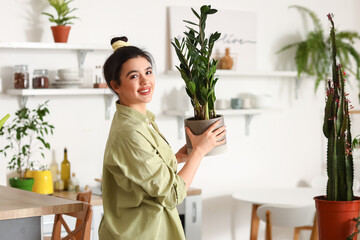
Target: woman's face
{"x": 137, "y": 84}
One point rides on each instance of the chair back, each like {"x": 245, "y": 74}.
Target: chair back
{"x": 83, "y": 221}
{"x": 288, "y": 216}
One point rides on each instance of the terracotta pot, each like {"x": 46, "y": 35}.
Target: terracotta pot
{"x": 198, "y": 127}
{"x": 22, "y": 183}
{"x": 60, "y": 33}
{"x": 335, "y": 218}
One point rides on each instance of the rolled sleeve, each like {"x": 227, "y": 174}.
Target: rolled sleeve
{"x": 141, "y": 163}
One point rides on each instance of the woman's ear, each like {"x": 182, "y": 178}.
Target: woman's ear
{"x": 115, "y": 86}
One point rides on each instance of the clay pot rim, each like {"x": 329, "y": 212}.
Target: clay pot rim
{"x": 192, "y": 119}
{"x": 322, "y": 198}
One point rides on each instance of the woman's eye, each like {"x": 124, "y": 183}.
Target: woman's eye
{"x": 148, "y": 72}
{"x": 133, "y": 76}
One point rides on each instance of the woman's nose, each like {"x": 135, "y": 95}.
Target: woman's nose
{"x": 144, "y": 79}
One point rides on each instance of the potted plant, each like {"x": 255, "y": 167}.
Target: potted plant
{"x": 197, "y": 69}
{"x": 311, "y": 54}
{"x": 24, "y": 135}
{"x": 61, "y": 30}
{"x": 337, "y": 210}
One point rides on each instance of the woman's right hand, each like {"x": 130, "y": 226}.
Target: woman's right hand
{"x": 211, "y": 138}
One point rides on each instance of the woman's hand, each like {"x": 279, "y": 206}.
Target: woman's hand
{"x": 211, "y": 138}
{"x": 182, "y": 155}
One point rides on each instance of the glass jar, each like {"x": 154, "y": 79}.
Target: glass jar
{"x": 40, "y": 78}
{"x": 21, "y": 76}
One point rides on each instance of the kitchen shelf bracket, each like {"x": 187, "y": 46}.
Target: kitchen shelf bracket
{"x": 248, "y": 118}
{"x": 297, "y": 87}
{"x": 81, "y": 59}
{"x": 108, "y": 100}
{"x": 180, "y": 121}
{"x": 23, "y": 101}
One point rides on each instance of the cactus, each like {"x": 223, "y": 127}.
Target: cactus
{"x": 336, "y": 129}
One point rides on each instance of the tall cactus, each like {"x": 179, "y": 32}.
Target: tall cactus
{"x": 336, "y": 129}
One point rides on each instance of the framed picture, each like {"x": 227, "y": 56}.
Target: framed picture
{"x": 238, "y": 33}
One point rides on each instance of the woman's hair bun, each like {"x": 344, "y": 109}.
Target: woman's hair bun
{"x": 122, "y": 38}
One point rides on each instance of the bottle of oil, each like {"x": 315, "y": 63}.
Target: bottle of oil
{"x": 65, "y": 170}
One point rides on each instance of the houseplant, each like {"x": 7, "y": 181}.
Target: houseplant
{"x": 311, "y": 54}
{"x": 336, "y": 210}
{"x": 3, "y": 120}
{"x": 61, "y": 30}
{"x": 197, "y": 69}
{"x": 24, "y": 136}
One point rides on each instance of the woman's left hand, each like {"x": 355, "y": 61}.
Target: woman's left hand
{"x": 182, "y": 155}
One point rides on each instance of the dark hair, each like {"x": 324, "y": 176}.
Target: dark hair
{"x": 112, "y": 66}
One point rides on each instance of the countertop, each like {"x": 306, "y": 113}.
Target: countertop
{"x": 97, "y": 200}
{"x": 16, "y": 203}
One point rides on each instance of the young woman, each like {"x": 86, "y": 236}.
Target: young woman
{"x": 141, "y": 186}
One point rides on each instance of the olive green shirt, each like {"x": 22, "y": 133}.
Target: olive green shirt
{"x": 140, "y": 186}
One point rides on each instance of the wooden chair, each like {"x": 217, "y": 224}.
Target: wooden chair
{"x": 83, "y": 223}
{"x": 300, "y": 218}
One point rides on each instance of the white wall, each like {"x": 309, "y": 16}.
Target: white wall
{"x": 285, "y": 147}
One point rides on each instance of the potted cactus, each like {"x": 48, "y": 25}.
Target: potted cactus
{"x": 337, "y": 210}
{"x": 197, "y": 69}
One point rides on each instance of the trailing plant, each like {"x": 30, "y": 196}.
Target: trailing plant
{"x": 24, "y": 135}
{"x": 63, "y": 10}
{"x": 311, "y": 55}
{"x": 197, "y": 67}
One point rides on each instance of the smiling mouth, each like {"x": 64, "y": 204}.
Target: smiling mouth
{"x": 145, "y": 91}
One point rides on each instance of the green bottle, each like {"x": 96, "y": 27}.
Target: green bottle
{"x": 65, "y": 170}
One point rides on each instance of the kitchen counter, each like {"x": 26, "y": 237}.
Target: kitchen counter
{"x": 96, "y": 200}
{"x": 21, "y": 211}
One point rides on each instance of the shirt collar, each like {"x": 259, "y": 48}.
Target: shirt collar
{"x": 134, "y": 113}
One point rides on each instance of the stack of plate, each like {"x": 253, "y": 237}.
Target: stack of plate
{"x": 68, "y": 78}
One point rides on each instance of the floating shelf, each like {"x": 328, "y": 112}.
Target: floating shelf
{"x": 24, "y": 94}
{"x": 255, "y": 74}
{"x": 248, "y": 113}
{"x": 82, "y": 49}
{"x": 48, "y": 46}
{"x": 233, "y": 73}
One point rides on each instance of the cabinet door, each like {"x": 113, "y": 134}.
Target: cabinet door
{"x": 193, "y": 217}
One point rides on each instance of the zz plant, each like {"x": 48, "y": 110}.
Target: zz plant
{"x": 24, "y": 135}
{"x": 197, "y": 67}
{"x": 311, "y": 55}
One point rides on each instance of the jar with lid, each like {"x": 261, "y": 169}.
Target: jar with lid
{"x": 40, "y": 78}
{"x": 21, "y": 76}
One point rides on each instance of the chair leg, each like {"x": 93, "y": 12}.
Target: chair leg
{"x": 268, "y": 232}
{"x": 296, "y": 233}
{"x": 314, "y": 230}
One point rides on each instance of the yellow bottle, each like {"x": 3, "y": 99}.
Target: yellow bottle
{"x": 65, "y": 170}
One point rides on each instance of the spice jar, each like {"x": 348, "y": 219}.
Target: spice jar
{"x": 40, "y": 78}
{"x": 21, "y": 76}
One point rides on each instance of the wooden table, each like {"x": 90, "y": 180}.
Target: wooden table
{"x": 20, "y": 212}
{"x": 280, "y": 196}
